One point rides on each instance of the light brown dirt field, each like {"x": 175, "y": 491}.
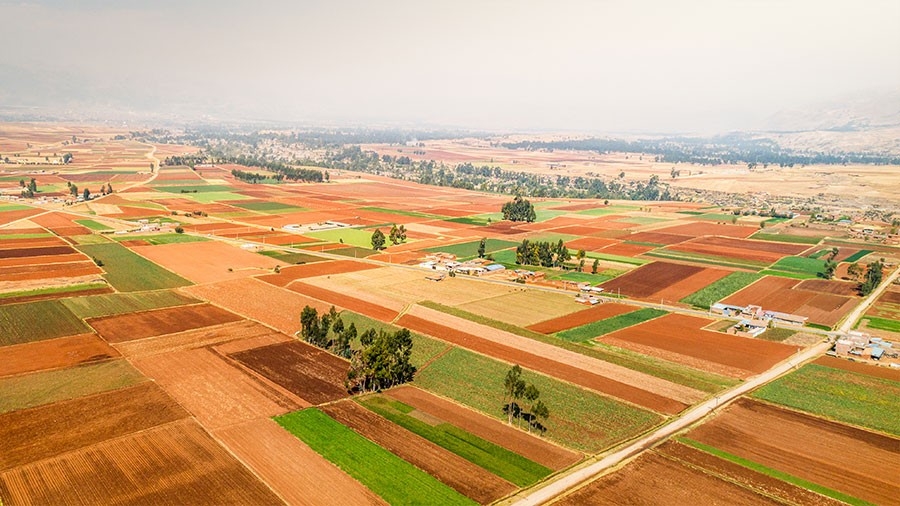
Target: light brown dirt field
{"x": 33, "y": 242}
{"x": 868, "y": 368}
{"x": 840, "y": 457}
{"x": 49, "y": 271}
{"x": 685, "y": 335}
{"x": 47, "y": 431}
{"x": 11, "y": 216}
{"x": 523, "y": 307}
{"x": 61, "y": 224}
{"x": 456, "y": 472}
{"x": 39, "y": 260}
{"x": 829, "y": 286}
{"x": 699, "y": 228}
{"x": 762, "y": 251}
{"x": 294, "y": 471}
{"x": 276, "y": 307}
{"x": 53, "y": 354}
{"x": 296, "y": 272}
{"x": 157, "y": 322}
{"x": 156, "y": 466}
{"x": 652, "y": 479}
{"x": 678, "y": 358}
{"x": 590, "y": 315}
{"x": 207, "y": 336}
{"x": 785, "y": 295}
{"x": 310, "y": 373}
{"x": 527, "y": 445}
{"x": 735, "y": 473}
{"x": 207, "y": 262}
{"x": 217, "y": 393}
{"x": 340, "y": 299}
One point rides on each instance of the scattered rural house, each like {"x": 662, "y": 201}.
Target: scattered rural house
{"x": 583, "y": 298}
{"x": 863, "y": 345}
{"x": 757, "y": 315}
{"x": 785, "y": 317}
{"x": 746, "y": 328}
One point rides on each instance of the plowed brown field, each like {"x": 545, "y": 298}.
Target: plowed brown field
{"x": 657, "y": 238}
{"x": 295, "y": 272}
{"x": 653, "y": 479}
{"x": 785, "y": 295}
{"x": 700, "y": 228}
{"x": 207, "y": 336}
{"x": 44, "y": 432}
{"x": 528, "y": 445}
{"x": 304, "y": 370}
{"x": 156, "y": 466}
{"x": 53, "y": 354}
{"x": 216, "y": 392}
{"x": 458, "y": 473}
{"x": 48, "y": 271}
{"x": 683, "y": 334}
{"x": 208, "y": 261}
{"x": 870, "y": 369}
{"x": 353, "y": 304}
{"x": 663, "y": 280}
{"x": 294, "y": 470}
{"x": 628, "y": 250}
{"x": 36, "y": 252}
{"x": 829, "y": 286}
{"x": 840, "y": 457}
{"x": 47, "y": 259}
{"x": 746, "y": 249}
{"x": 132, "y": 326}
{"x": 590, "y": 243}
{"x": 596, "y": 313}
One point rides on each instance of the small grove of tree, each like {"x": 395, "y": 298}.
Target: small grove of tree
{"x": 514, "y": 391}
{"x": 398, "y": 234}
{"x": 595, "y": 266}
{"x": 855, "y": 271}
{"x": 873, "y": 278}
{"x": 327, "y": 332}
{"x": 383, "y": 361}
{"x": 254, "y": 177}
{"x": 518, "y": 209}
{"x": 542, "y": 253}
{"x": 482, "y": 247}
{"x": 377, "y": 239}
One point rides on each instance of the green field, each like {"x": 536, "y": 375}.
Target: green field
{"x": 601, "y": 327}
{"x": 844, "y": 396}
{"x": 399, "y": 212}
{"x": 676, "y": 373}
{"x": 269, "y": 207}
{"x": 46, "y": 387}
{"x": 642, "y": 220}
{"x": 700, "y": 258}
{"x": 873, "y": 322}
{"x": 390, "y": 477}
{"x": 93, "y": 225}
{"x": 858, "y": 255}
{"x": 506, "y": 464}
{"x": 354, "y": 252}
{"x": 93, "y": 306}
{"x": 89, "y": 239}
{"x": 718, "y": 290}
{"x": 36, "y": 321}
{"x": 716, "y": 217}
{"x": 470, "y": 249}
{"x": 291, "y": 257}
{"x": 155, "y": 239}
{"x": 192, "y": 187}
{"x": 602, "y": 210}
{"x": 349, "y": 236}
{"x": 803, "y": 266}
{"x": 777, "y": 334}
{"x": 579, "y": 418}
{"x": 12, "y": 237}
{"x": 126, "y": 271}
{"x": 579, "y": 277}
{"x": 210, "y": 197}
{"x": 797, "y": 239}
{"x": 615, "y": 258}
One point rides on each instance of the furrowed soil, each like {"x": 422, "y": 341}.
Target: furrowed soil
{"x": 54, "y": 354}
{"x": 527, "y": 445}
{"x": 155, "y": 466}
{"x": 208, "y": 336}
{"x": 133, "y": 326}
{"x": 837, "y": 456}
{"x": 869, "y": 369}
{"x": 463, "y": 476}
{"x": 360, "y": 306}
{"x": 296, "y": 272}
{"x": 645, "y": 281}
{"x": 314, "y": 375}
{"x": 596, "y": 313}
{"x": 293, "y": 470}
{"x": 653, "y": 479}
{"x": 44, "y": 432}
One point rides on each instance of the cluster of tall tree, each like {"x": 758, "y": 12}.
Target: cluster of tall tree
{"x": 190, "y": 160}
{"x": 254, "y": 177}
{"x": 874, "y": 274}
{"x": 328, "y": 331}
{"x": 519, "y": 209}
{"x": 515, "y": 394}
{"x": 543, "y": 253}
{"x": 830, "y": 264}
{"x": 28, "y": 190}
{"x": 397, "y": 234}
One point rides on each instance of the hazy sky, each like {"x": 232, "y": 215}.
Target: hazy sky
{"x": 574, "y": 65}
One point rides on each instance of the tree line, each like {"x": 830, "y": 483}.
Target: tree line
{"x": 518, "y": 209}
{"x": 543, "y": 253}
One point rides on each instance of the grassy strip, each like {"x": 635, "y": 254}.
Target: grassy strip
{"x": 579, "y": 418}
{"x": 195, "y": 188}
{"x": 11, "y": 237}
{"x": 292, "y": 258}
{"x": 269, "y": 207}
{"x": 52, "y": 290}
{"x": 93, "y": 225}
{"x": 36, "y": 321}
{"x": 508, "y": 465}
{"x": 598, "y": 328}
{"x": 858, "y": 255}
{"x": 845, "y": 396}
{"x": 718, "y": 290}
{"x": 882, "y": 323}
{"x": 777, "y": 334}
{"x": 392, "y": 478}
{"x": 617, "y": 258}
{"x": 800, "y": 265}
{"x": 774, "y": 473}
{"x": 414, "y": 214}
{"x": 795, "y": 239}
{"x": 784, "y": 274}
{"x": 120, "y": 303}
{"x": 47, "y": 387}
{"x": 676, "y": 373}
{"x": 470, "y": 249}
{"x": 161, "y": 238}
{"x": 128, "y": 272}
{"x": 700, "y": 258}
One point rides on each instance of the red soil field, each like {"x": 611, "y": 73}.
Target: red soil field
{"x": 590, "y": 243}
{"x": 685, "y": 287}
{"x": 214, "y": 390}
{"x": 61, "y": 224}
{"x": 529, "y": 446}
{"x": 829, "y": 286}
{"x": 302, "y": 369}
{"x": 577, "y": 230}
{"x": 698, "y": 229}
{"x": 647, "y": 280}
{"x": 736, "y": 473}
{"x": 48, "y": 271}
{"x": 445, "y": 211}
{"x": 34, "y": 242}
{"x": 213, "y": 227}
{"x": 132, "y": 326}
{"x": 36, "y": 252}
{"x": 47, "y": 431}
{"x": 762, "y": 289}
{"x": 206, "y": 262}
{"x": 291, "y": 468}
{"x": 544, "y": 365}
{"x": 459, "y": 474}
{"x": 746, "y": 249}
{"x": 569, "y": 321}
{"x": 782, "y": 294}
{"x": 208, "y": 336}
{"x": 295, "y": 272}
{"x": 868, "y": 369}
{"x": 11, "y": 216}
{"x": 16, "y": 231}
{"x": 654, "y": 479}
{"x": 134, "y": 242}
{"x": 408, "y": 258}
{"x": 353, "y": 304}
{"x": 628, "y": 250}
{"x": 53, "y": 354}
{"x": 268, "y": 304}
{"x": 683, "y": 334}
{"x": 890, "y": 297}
{"x": 155, "y": 466}
{"x": 840, "y": 457}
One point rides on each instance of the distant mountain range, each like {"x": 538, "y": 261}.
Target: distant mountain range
{"x": 849, "y": 113}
